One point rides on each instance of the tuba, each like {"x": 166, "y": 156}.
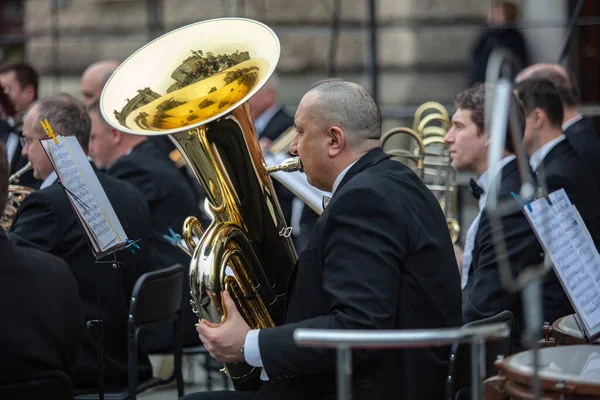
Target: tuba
{"x": 16, "y": 195}
{"x": 247, "y": 249}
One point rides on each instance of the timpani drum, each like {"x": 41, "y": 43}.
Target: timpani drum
{"x": 563, "y": 332}
{"x": 566, "y": 332}
{"x": 566, "y": 372}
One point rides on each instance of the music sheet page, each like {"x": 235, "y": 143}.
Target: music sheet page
{"x": 82, "y": 186}
{"x": 576, "y": 260}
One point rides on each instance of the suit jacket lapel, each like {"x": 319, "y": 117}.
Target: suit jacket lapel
{"x": 371, "y": 158}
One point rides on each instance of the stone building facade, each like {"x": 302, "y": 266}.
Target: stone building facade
{"x": 423, "y": 45}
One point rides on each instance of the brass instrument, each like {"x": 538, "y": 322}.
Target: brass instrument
{"x": 439, "y": 175}
{"x": 247, "y": 249}
{"x": 433, "y": 163}
{"x": 16, "y": 195}
{"x": 434, "y": 106}
{"x": 415, "y": 154}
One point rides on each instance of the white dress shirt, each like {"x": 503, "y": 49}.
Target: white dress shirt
{"x": 570, "y": 122}
{"x": 50, "y": 179}
{"x": 251, "y": 347}
{"x": 484, "y": 182}
{"x": 11, "y": 146}
{"x": 538, "y": 156}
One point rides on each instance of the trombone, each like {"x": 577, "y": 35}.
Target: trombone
{"x": 433, "y": 163}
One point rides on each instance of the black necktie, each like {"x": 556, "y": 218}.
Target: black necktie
{"x": 475, "y": 190}
{"x": 326, "y": 200}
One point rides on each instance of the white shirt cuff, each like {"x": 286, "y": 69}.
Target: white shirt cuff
{"x": 252, "y": 352}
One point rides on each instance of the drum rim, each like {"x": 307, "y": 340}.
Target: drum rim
{"x": 570, "y": 387}
{"x": 563, "y": 337}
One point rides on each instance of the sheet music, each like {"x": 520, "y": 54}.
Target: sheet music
{"x": 82, "y": 186}
{"x": 576, "y": 260}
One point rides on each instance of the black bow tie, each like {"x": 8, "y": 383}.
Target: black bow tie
{"x": 475, "y": 190}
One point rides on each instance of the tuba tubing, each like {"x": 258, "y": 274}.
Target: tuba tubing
{"x": 247, "y": 249}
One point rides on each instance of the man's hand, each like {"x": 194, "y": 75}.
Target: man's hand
{"x": 224, "y": 341}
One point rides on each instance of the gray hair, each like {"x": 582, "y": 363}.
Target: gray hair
{"x": 349, "y": 106}
{"x": 67, "y": 117}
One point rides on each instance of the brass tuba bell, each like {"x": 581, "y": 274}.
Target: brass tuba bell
{"x": 247, "y": 249}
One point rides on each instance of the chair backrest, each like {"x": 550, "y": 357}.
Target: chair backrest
{"x": 459, "y": 370}
{"x": 156, "y": 295}
{"x": 44, "y": 385}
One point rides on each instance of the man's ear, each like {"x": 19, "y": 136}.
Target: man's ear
{"x": 336, "y": 140}
{"x": 116, "y": 136}
{"x": 29, "y": 92}
{"x": 539, "y": 118}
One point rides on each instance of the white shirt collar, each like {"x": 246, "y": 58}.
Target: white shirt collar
{"x": 538, "y": 156}
{"x": 485, "y": 180}
{"x": 572, "y": 121}
{"x": 339, "y": 178}
{"x": 11, "y": 146}
{"x": 50, "y": 179}
{"x": 263, "y": 120}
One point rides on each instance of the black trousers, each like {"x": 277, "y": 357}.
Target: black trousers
{"x": 220, "y": 395}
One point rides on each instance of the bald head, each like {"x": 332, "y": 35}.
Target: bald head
{"x": 94, "y": 78}
{"x": 559, "y": 77}
{"x": 349, "y": 106}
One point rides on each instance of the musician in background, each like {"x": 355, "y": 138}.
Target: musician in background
{"x": 483, "y": 294}
{"x": 380, "y": 258}
{"x": 557, "y": 165}
{"x": 94, "y": 78}
{"x": 134, "y": 159}
{"x": 578, "y": 130}
{"x": 20, "y": 82}
{"x": 46, "y": 221}
{"x": 36, "y": 290}
{"x": 270, "y": 121}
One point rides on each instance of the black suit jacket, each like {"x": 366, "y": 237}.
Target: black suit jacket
{"x": 582, "y": 137}
{"x": 277, "y": 125}
{"x": 380, "y": 258}
{"x": 484, "y": 295}
{"x": 47, "y": 222}
{"x": 565, "y": 169}
{"x": 170, "y": 200}
{"x": 42, "y": 313}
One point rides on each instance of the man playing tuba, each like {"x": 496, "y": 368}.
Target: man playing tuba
{"x": 380, "y": 257}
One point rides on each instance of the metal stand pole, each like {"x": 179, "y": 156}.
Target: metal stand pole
{"x": 344, "y": 373}
{"x": 373, "y": 70}
{"x": 476, "y": 366}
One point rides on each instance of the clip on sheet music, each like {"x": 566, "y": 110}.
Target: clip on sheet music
{"x": 576, "y": 261}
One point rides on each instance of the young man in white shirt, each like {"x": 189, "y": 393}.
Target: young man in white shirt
{"x": 483, "y": 294}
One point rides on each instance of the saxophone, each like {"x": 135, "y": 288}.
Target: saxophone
{"x": 16, "y": 195}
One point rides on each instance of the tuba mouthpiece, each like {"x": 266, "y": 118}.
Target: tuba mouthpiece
{"x": 290, "y": 165}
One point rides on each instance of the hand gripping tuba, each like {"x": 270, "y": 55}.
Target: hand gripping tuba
{"x": 247, "y": 249}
